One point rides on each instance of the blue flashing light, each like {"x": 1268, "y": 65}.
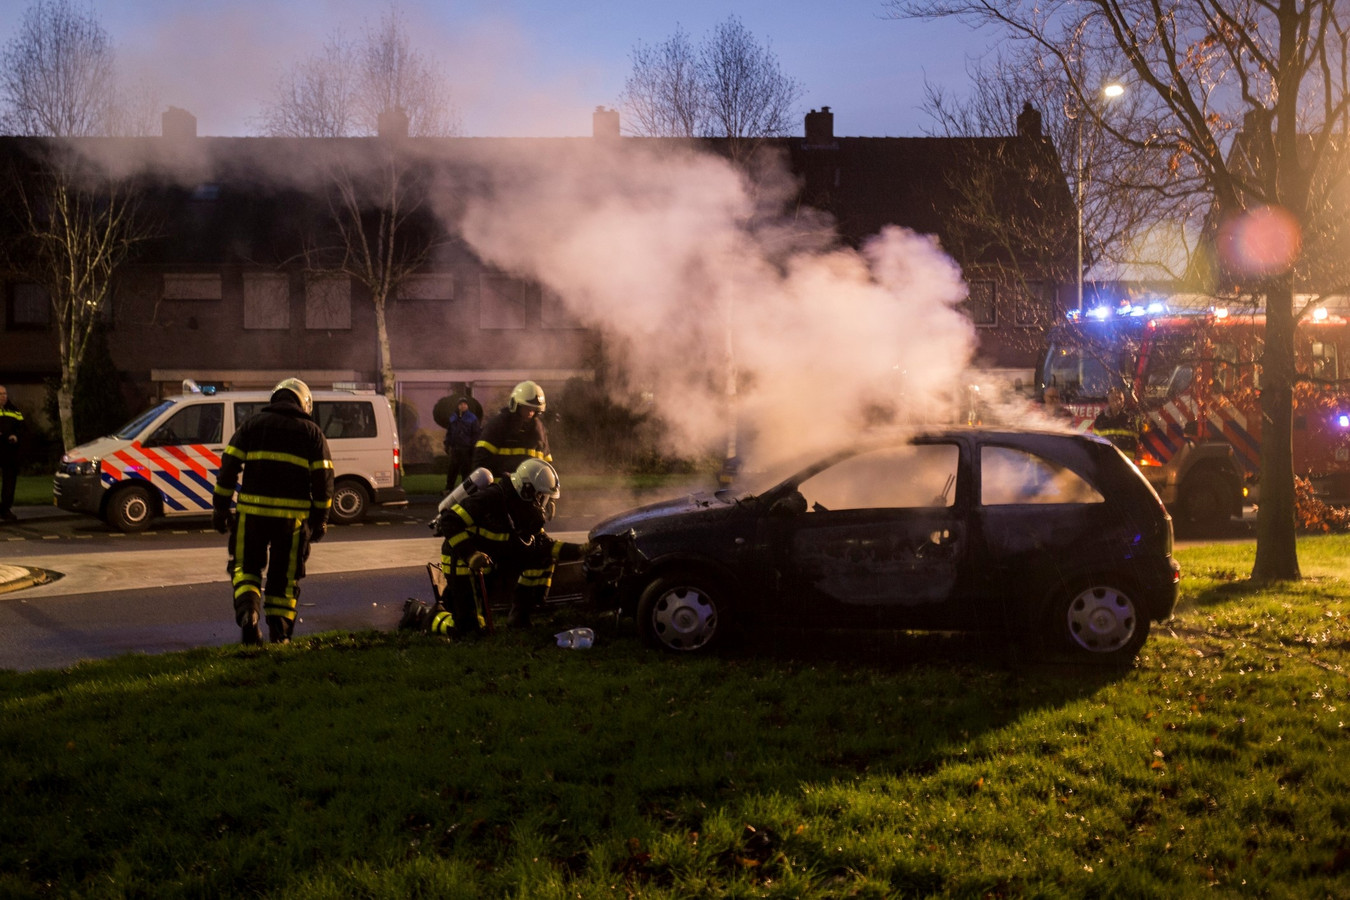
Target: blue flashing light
{"x": 1343, "y": 420}
{"x": 1099, "y": 313}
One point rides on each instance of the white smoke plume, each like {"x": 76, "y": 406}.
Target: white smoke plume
{"x": 692, "y": 270}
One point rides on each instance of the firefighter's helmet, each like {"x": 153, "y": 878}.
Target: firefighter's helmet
{"x": 297, "y": 388}
{"x": 526, "y": 394}
{"x": 536, "y": 482}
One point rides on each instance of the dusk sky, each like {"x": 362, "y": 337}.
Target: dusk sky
{"x": 522, "y": 68}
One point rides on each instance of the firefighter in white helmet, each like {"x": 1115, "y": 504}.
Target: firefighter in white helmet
{"x": 496, "y": 531}
{"x": 283, "y": 504}
{"x": 515, "y": 433}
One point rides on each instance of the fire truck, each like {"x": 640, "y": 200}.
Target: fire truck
{"x": 1193, "y": 381}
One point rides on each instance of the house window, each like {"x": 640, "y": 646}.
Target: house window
{"x": 980, "y": 303}
{"x": 507, "y": 303}
{"x": 28, "y": 307}
{"x": 267, "y": 301}
{"x": 328, "y": 303}
{"x": 427, "y": 287}
{"x": 192, "y": 286}
{"x": 554, "y": 313}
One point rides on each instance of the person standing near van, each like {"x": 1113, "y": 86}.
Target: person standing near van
{"x": 11, "y": 427}
{"x": 516, "y": 433}
{"x": 283, "y": 504}
{"x": 461, "y": 436}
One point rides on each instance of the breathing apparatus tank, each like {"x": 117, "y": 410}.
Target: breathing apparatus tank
{"x": 478, "y": 479}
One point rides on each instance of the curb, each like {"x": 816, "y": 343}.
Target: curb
{"x": 16, "y": 578}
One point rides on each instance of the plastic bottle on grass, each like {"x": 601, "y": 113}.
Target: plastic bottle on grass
{"x": 576, "y": 638}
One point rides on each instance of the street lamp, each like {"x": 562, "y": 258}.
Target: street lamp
{"x": 1111, "y": 91}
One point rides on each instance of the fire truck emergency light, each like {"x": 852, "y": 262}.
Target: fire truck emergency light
{"x": 1343, "y": 420}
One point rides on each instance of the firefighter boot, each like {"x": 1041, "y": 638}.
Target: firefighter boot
{"x": 519, "y": 616}
{"x": 416, "y": 615}
{"x": 279, "y": 629}
{"x": 246, "y": 616}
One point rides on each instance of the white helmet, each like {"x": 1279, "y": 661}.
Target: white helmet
{"x": 299, "y": 389}
{"x": 536, "y": 482}
{"x": 526, "y": 394}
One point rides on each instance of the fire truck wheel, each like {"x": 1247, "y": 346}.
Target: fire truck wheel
{"x": 681, "y": 612}
{"x": 1204, "y": 500}
{"x": 131, "y": 509}
{"x": 350, "y": 501}
{"x": 1099, "y": 622}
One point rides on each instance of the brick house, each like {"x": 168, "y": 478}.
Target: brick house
{"x": 235, "y": 291}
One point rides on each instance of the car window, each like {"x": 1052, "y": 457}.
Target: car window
{"x": 346, "y": 418}
{"x": 198, "y": 423}
{"x": 892, "y": 478}
{"x": 1012, "y": 476}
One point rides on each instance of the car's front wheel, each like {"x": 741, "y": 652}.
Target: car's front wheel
{"x": 1099, "y": 622}
{"x": 683, "y": 613}
{"x": 131, "y": 509}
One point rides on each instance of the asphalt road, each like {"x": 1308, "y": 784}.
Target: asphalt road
{"x": 166, "y": 589}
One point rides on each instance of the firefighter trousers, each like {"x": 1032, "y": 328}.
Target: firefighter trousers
{"x": 281, "y": 546}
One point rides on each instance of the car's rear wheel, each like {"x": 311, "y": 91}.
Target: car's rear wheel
{"x": 131, "y": 509}
{"x": 682, "y": 613}
{"x": 1098, "y": 621}
{"x": 350, "y": 502}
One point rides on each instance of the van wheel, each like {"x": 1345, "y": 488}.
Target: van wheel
{"x": 131, "y": 509}
{"x": 1205, "y": 502}
{"x": 350, "y": 502}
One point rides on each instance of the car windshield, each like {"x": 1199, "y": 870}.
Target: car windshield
{"x": 136, "y": 425}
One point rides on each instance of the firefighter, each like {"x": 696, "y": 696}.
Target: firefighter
{"x": 496, "y": 532}
{"x": 515, "y": 433}
{"x": 283, "y": 505}
{"x": 11, "y": 427}
{"x": 1117, "y": 424}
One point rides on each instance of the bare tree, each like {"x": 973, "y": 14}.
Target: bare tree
{"x": 1270, "y": 73}
{"x": 79, "y": 220}
{"x": 729, "y": 86}
{"x": 345, "y": 89}
{"x": 664, "y": 95}
{"x": 57, "y": 73}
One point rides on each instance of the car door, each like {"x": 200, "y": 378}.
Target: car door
{"x": 882, "y": 541}
{"x": 182, "y": 454}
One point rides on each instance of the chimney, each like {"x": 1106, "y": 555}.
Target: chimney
{"x": 605, "y": 123}
{"x": 820, "y": 128}
{"x": 178, "y": 124}
{"x": 392, "y": 123}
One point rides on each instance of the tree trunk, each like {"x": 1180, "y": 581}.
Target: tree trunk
{"x": 65, "y": 407}
{"x": 1276, "y": 547}
{"x": 386, "y": 357}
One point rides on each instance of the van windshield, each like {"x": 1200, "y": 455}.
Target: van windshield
{"x": 137, "y": 425}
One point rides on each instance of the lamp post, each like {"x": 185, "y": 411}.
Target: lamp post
{"x": 1111, "y": 91}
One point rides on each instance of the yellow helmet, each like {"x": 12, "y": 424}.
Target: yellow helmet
{"x": 299, "y": 389}
{"x": 526, "y": 394}
{"x": 536, "y": 482}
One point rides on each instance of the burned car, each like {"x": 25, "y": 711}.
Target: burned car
{"x": 1054, "y": 539}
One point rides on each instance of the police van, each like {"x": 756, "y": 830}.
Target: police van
{"x": 164, "y": 462}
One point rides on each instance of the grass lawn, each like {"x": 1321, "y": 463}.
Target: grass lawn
{"x": 394, "y": 766}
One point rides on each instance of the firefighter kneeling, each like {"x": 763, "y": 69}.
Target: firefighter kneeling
{"x": 492, "y": 533}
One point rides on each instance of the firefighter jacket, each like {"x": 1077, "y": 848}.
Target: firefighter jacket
{"x": 288, "y": 470}
{"x": 1121, "y": 429}
{"x": 509, "y": 439}
{"x": 497, "y": 522}
{"x": 11, "y": 425}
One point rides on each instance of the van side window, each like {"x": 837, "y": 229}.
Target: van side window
{"x": 245, "y": 411}
{"x": 346, "y": 418}
{"x": 199, "y": 423}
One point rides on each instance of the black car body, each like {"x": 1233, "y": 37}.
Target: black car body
{"x": 1037, "y": 534}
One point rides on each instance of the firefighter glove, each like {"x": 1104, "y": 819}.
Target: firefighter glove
{"x": 317, "y": 529}
{"x": 479, "y": 561}
{"x": 220, "y": 520}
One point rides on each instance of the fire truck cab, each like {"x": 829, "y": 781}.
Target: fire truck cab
{"x": 1193, "y": 380}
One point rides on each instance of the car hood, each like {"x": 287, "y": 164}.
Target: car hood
{"x": 96, "y": 449}
{"x": 677, "y": 514}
